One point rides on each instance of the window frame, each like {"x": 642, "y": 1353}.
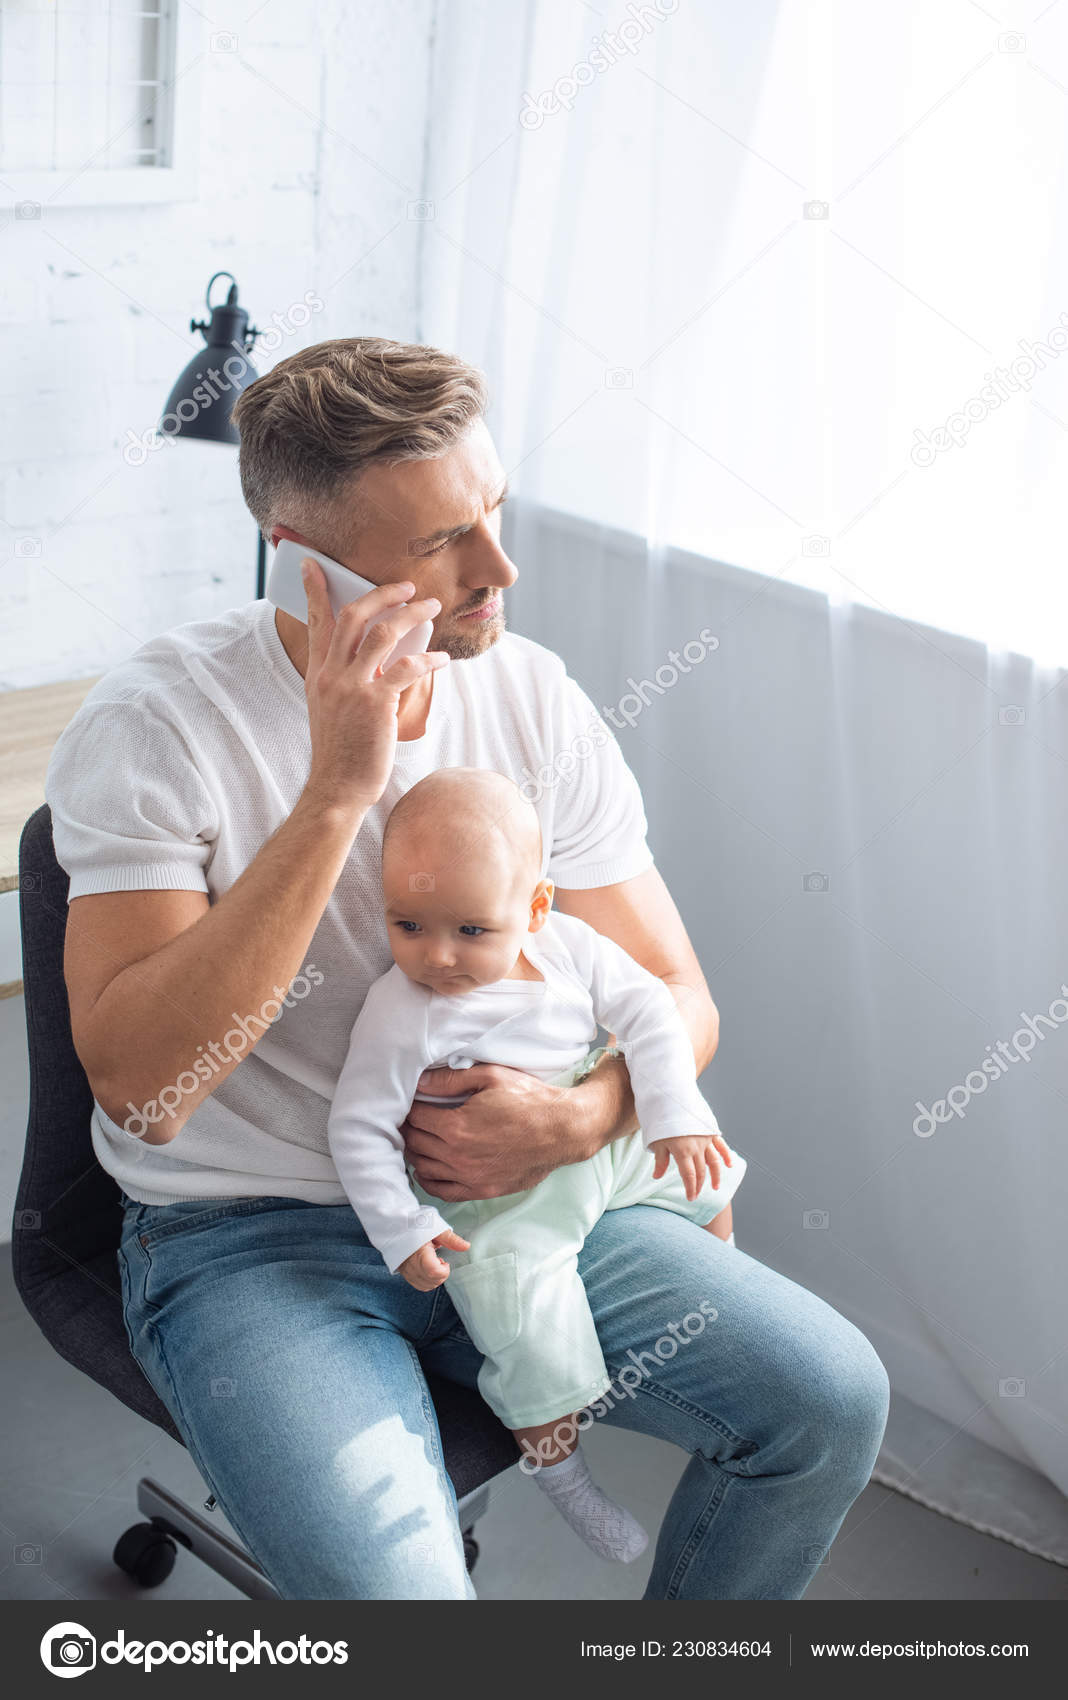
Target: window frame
{"x": 181, "y": 59}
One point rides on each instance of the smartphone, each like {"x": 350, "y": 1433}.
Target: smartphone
{"x": 285, "y": 588}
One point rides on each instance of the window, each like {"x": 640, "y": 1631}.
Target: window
{"x": 93, "y": 94}
{"x": 782, "y": 284}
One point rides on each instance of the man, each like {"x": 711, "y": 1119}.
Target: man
{"x": 219, "y": 803}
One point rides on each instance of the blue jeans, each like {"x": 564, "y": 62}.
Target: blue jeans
{"x": 292, "y": 1363}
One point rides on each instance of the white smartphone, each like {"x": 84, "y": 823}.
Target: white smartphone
{"x": 285, "y": 588}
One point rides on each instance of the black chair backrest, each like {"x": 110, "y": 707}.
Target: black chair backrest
{"x": 68, "y": 1214}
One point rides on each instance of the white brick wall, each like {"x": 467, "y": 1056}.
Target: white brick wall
{"x": 311, "y": 149}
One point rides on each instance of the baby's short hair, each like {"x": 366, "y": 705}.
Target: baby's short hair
{"x": 454, "y": 803}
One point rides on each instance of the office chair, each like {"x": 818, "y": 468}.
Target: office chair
{"x": 67, "y": 1226}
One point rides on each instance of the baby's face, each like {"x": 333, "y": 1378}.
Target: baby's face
{"x": 457, "y": 928}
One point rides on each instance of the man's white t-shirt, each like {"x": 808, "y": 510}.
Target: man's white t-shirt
{"x": 186, "y": 758}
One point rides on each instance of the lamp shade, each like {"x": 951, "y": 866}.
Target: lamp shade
{"x": 199, "y": 406}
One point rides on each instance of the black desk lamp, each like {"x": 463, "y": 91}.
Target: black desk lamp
{"x": 199, "y": 405}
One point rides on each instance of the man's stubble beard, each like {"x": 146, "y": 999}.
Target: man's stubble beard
{"x": 470, "y": 638}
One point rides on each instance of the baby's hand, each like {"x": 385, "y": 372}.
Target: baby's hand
{"x": 691, "y": 1153}
{"x": 424, "y": 1269}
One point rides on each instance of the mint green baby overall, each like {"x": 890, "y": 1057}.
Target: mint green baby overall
{"x": 518, "y": 1291}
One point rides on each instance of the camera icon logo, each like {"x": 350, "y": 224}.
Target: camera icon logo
{"x": 27, "y": 209}
{"x": 815, "y": 546}
{"x": 421, "y": 882}
{"x": 618, "y": 378}
{"x": 25, "y": 1554}
{"x": 68, "y": 1649}
{"x": 815, "y": 1555}
{"x": 420, "y": 209}
{"x": 1012, "y": 714}
{"x": 1011, "y": 1387}
{"x": 817, "y": 209}
{"x": 27, "y": 1220}
{"x": 422, "y": 1218}
{"x": 28, "y": 548}
{"x": 222, "y": 1387}
{"x": 223, "y": 41}
{"x": 815, "y": 1219}
{"x": 1012, "y": 42}
{"x": 815, "y": 882}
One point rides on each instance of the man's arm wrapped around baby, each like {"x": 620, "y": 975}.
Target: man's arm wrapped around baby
{"x": 387, "y": 1053}
{"x": 676, "y": 1122}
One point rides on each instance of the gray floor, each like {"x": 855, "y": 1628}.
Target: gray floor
{"x": 73, "y": 1456}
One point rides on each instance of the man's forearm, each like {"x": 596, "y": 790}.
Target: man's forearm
{"x": 700, "y": 1017}
{"x": 604, "y": 1102}
{"x": 240, "y": 954}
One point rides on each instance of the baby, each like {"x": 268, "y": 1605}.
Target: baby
{"x": 486, "y": 971}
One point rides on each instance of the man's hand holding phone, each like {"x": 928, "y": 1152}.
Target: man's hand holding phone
{"x": 352, "y": 702}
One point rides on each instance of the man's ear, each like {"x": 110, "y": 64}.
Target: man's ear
{"x": 280, "y": 531}
{"x": 540, "y": 905}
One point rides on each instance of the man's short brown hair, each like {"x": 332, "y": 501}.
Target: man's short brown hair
{"x": 314, "y": 423}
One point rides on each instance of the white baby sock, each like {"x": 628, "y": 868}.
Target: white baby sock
{"x": 602, "y": 1524}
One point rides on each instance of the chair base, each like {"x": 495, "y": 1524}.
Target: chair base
{"x": 147, "y": 1550}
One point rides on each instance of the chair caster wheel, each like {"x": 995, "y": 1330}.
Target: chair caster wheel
{"x": 470, "y": 1552}
{"x": 146, "y": 1553}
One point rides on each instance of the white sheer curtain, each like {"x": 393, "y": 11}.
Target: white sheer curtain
{"x": 774, "y": 304}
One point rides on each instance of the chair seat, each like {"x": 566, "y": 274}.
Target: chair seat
{"x": 80, "y": 1314}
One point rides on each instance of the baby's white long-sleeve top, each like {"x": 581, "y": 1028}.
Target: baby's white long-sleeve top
{"x": 543, "y": 1027}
